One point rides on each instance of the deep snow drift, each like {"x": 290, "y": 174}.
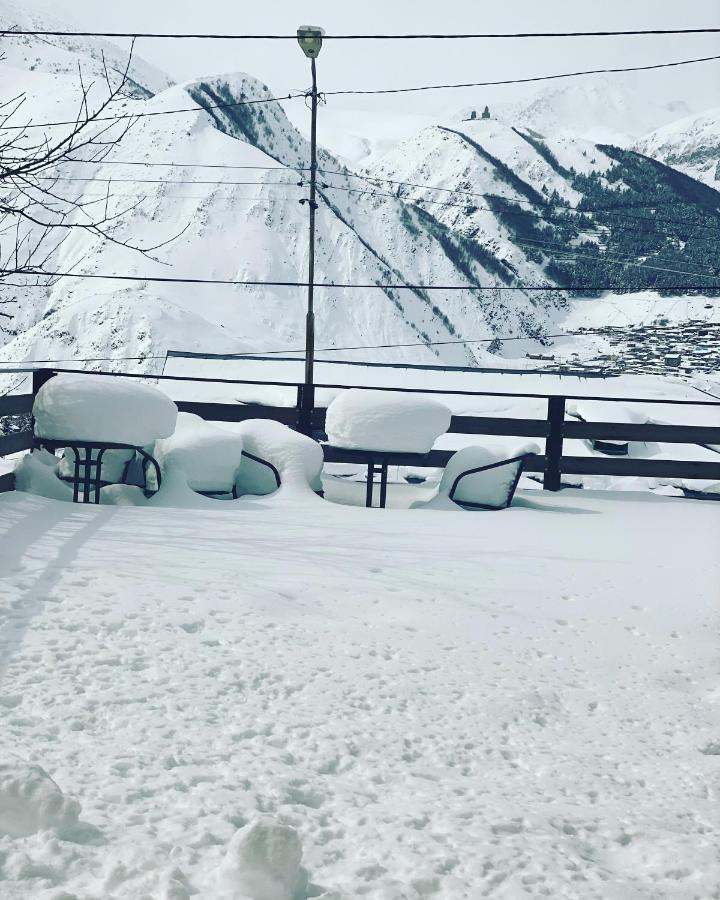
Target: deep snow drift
{"x": 422, "y": 704}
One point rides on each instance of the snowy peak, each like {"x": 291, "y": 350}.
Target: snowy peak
{"x": 691, "y": 144}
{"x": 602, "y": 110}
{"x": 538, "y": 209}
{"x": 244, "y": 109}
{"x": 67, "y": 56}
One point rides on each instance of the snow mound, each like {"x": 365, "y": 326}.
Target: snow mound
{"x": 176, "y": 493}
{"x": 298, "y": 458}
{"x": 102, "y": 408}
{"x": 597, "y": 411}
{"x": 375, "y": 420}
{"x": 209, "y": 456}
{"x": 35, "y": 474}
{"x": 491, "y": 488}
{"x": 30, "y": 801}
{"x": 263, "y": 863}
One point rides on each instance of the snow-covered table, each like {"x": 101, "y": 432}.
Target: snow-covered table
{"x": 87, "y": 465}
{"x": 377, "y": 462}
{"x": 380, "y": 429}
{"x": 91, "y": 414}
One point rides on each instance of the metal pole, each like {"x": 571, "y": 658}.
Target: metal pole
{"x": 308, "y": 393}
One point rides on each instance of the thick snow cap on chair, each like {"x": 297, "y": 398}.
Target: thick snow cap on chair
{"x": 489, "y": 488}
{"x": 298, "y": 458}
{"x": 209, "y": 456}
{"x": 102, "y": 408}
{"x": 379, "y": 420}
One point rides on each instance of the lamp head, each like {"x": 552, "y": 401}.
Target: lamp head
{"x": 310, "y": 39}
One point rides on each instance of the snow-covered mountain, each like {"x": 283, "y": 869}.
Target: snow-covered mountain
{"x": 241, "y": 224}
{"x": 231, "y": 202}
{"x": 576, "y": 211}
{"x": 38, "y": 63}
{"x": 691, "y": 144}
{"x": 608, "y": 110}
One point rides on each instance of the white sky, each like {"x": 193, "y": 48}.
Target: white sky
{"x": 393, "y": 64}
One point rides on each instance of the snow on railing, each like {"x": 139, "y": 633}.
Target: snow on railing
{"x": 553, "y": 428}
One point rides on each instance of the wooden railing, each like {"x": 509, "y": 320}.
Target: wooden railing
{"x": 16, "y": 442}
{"x": 553, "y": 429}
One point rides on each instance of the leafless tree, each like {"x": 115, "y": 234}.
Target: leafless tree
{"x": 36, "y": 213}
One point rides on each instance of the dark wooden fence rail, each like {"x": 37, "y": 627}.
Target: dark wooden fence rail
{"x": 552, "y": 430}
{"x": 14, "y": 405}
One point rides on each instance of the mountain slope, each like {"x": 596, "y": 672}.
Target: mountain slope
{"x": 564, "y": 209}
{"x": 691, "y": 145}
{"x": 232, "y": 202}
{"x": 61, "y": 60}
{"x": 237, "y": 231}
{"x": 611, "y": 109}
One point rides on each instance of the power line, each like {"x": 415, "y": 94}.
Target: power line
{"x": 187, "y": 165}
{"x": 179, "y": 165}
{"x": 374, "y": 178}
{"x": 144, "y": 115}
{"x": 620, "y": 209}
{"x": 22, "y": 380}
{"x": 122, "y": 180}
{"x": 367, "y": 286}
{"x": 359, "y": 37}
{"x": 616, "y": 260}
{"x": 362, "y": 92}
{"x": 591, "y": 228}
{"x": 702, "y": 391}
{"x": 102, "y": 196}
{"x": 299, "y": 350}
{"x": 472, "y": 84}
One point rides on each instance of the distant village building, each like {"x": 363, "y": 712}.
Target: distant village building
{"x": 473, "y": 115}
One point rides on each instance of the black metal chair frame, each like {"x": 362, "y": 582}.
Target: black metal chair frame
{"x": 263, "y": 462}
{"x": 505, "y": 462}
{"x": 273, "y": 469}
{"x": 377, "y": 462}
{"x": 87, "y": 470}
{"x": 257, "y": 459}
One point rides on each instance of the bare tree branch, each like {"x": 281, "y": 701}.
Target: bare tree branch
{"x": 36, "y": 215}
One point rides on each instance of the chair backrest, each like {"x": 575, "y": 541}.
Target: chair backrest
{"x": 491, "y": 486}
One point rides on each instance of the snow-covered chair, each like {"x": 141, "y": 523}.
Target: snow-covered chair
{"x": 276, "y": 457}
{"x": 478, "y": 478}
{"x": 208, "y": 456}
{"x": 103, "y": 421}
{"x": 383, "y": 428}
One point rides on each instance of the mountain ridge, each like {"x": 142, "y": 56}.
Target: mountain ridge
{"x": 532, "y": 224}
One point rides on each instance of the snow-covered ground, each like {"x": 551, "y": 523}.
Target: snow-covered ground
{"x": 445, "y": 705}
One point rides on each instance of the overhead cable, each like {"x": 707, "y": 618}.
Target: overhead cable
{"x": 535, "y": 78}
{"x": 234, "y": 36}
{"x": 358, "y": 285}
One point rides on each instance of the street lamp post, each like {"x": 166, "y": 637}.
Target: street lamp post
{"x": 310, "y": 40}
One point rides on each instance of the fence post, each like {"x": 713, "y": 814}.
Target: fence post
{"x": 554, "y": 443}
{"x": 39, "y": 377}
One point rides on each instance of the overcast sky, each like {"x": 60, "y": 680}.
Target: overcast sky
{"x": 393, "y": 64}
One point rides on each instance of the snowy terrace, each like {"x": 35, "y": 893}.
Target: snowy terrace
{"x": 278, "y": 697}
